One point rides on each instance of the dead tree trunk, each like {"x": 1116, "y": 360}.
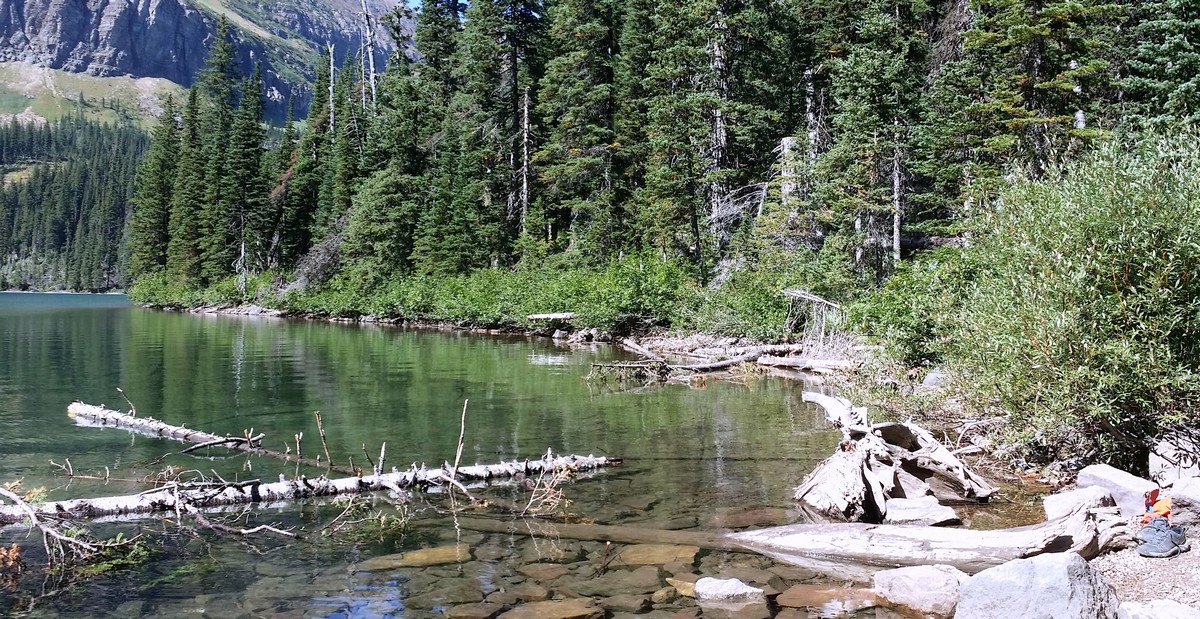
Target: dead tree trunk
{"x": 98, "y": 416}
{"x": 181, "y": 497}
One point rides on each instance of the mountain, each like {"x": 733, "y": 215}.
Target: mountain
{"x": 168, "y": 38}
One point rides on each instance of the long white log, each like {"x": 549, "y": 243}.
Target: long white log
{"x": 802, "y": 363}
{"x": 214, "y": 495}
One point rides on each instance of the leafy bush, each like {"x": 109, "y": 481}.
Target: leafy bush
{"x": 1083, "y": 324}
{"x": 913, "y": 313}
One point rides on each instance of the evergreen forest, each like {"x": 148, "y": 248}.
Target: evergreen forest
{"x": 996, "y": 185}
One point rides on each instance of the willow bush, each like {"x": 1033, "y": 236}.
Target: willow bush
{"x": 1082, "y": 323}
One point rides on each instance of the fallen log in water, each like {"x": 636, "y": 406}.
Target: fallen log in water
{"x": 717, "y": 365}
{"x": 854, "y": 551}
{"x": 860, "y": 549}
{"x": 97, "y": 416}
{"x": 180, "y": 496}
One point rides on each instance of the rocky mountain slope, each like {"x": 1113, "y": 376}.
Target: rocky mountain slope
{"x": 168, "y": 38}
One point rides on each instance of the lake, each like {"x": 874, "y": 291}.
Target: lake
{"x": 696, "y": 455}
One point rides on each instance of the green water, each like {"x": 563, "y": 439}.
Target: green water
{"x": 692, "y": 451}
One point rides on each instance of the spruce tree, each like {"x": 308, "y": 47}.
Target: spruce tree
{"x": 575, "y": 163}
{"x": 151, "y": 203}
{"x": 183, "y": 249}
{"x": 218, "y": 86}
{"x": 245, "y": 184}
{"x": 1164, "y": 80}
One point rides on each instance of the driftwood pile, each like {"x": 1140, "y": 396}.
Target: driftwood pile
{"x": 879, "y": 462}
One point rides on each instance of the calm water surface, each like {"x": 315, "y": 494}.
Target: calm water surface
{"x": 692, "y": 452}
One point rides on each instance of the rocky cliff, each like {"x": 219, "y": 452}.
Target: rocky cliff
{"x": 168, "y": 38}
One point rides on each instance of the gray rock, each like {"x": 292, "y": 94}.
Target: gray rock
{"x": 727, "y": 590}
{"x": 1185, "y": 503}
{"x": 1049, "y": 586}
{"x": 1173, "y": 459}
{"x": 1131, "y": 493}
{"x": 1063, "y": 503}
{"x": 1157, "y": 609}
{"x": 923, "y": 511}
{"x": 937, "y": 377}
{"x": 926, "y": 589}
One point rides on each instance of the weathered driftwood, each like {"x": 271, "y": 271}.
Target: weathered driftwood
{"x": 878, "y": 462}
{"x": 641, "y": 350}
{"x": 717, "y": 365}
{"x": 803, "y": 363}
{"x": 97, "y": 416}
{"x": 200, "y": 496}
{"x": 854, "y": 551}
{"x": 556, "y": 316}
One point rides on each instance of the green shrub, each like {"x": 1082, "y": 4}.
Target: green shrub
{"x": 913, "y": 313}
{"x": 1083, "y": 323}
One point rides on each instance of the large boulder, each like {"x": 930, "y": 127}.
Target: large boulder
{"x": 1157, "y": 609}
{"x": 1063, "y": 503}
{"x": 1131, "y": 493}
{"x": 1049, "y": 586}
{"x": 1173, "y": 459}
{"x": 925, "y": 589}
{"x": 1185, "y": 503}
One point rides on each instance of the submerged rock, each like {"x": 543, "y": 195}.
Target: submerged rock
{"x": 657, "y": 554}
{"x": 573, "y": 608}
{"x": 424, "y": 557}
{"x": 830, "y": 600}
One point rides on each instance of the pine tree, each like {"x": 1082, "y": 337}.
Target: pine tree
{"x": 154, "y": 191}
{"x": 1044, "y": 72}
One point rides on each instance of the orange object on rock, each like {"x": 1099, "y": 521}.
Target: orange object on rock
{"x": 1161, "y": 507}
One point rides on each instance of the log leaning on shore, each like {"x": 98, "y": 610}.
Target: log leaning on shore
{"x": 855, "y": 551}
{"x": 209, "y": 495}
